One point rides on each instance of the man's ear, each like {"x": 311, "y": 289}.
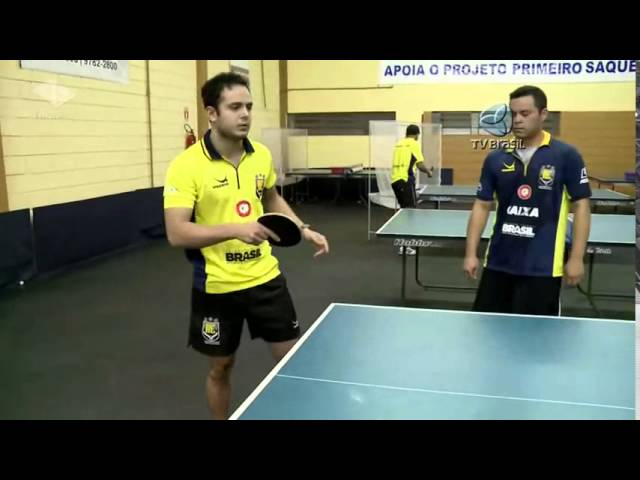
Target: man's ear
{"x": 212, "y": 114}
{"x": 544, "y": 113}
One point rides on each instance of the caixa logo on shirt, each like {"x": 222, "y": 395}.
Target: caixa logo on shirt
{"x": 237, "y": 257}
{"x": 518, "y": 230}
{"x": 520, "y": 211}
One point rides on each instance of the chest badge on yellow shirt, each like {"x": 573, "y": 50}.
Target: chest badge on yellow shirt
{"x": 243, "y": 208}
{"x": 260, "y": 181}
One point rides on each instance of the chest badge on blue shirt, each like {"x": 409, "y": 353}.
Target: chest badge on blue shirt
{"x": 546, "y": 176}
{"x": 524, "y": 192}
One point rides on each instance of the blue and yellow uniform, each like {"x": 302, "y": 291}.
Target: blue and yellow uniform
{"x": 532, "y": 207}
{"x": 219, "y": 193}
{"x": 406, "y": 155}
{"x": 233, "y": 280}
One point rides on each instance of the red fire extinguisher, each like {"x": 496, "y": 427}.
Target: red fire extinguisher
{"x": 191, "y": 138}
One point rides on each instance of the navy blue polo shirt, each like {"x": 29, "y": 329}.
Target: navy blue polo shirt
{"x": 533, "y": 205}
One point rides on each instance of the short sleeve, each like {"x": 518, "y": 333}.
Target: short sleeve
{"x": 487, "y": 184}
{"x": 417, "y": 152}
{"x": 575, "y": 173}
{"x": 180, "y": 190}
{"x": 271, "y": 177}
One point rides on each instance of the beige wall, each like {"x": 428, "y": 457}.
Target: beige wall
{"x": 606, "y": 141}
{"x": 172, "y": 87}
{"x": 108, "y": 138}
{"x": 67, "y": 138}
{"x": 264, "y": 76}
{"x": 95, "y": 143}
{"x": 352, "y": 86}
{"x": 4, "y": 200}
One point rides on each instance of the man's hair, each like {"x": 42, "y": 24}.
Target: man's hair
{"x": 539, "y": 98}
{"x": 413, "y": 130}
{"x": 212, "y": 89}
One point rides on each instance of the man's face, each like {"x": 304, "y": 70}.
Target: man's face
{"x": 527, "y": 119}
{"x": 232, "y": 119}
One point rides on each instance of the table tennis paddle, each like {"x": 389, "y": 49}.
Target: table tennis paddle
{"x": 284, "y": 227}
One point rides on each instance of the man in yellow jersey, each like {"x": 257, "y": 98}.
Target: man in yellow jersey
{"x": 534, "y": 187}
{"x": 213, "y": 195}
{"x": 407, "y": 156}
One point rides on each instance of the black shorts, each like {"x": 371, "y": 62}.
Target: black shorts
{"x": 405, "y": 193}
{"x": 502, "y": 292}
{"x": 217, "y": 319}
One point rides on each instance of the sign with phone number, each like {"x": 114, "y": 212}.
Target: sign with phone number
{"x": 108, "y": 70}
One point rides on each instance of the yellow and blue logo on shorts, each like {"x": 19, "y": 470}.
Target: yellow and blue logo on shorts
{"x": 211, "y": 331}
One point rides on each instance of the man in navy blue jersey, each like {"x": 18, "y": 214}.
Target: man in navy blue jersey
{"x": 535, "y": 187}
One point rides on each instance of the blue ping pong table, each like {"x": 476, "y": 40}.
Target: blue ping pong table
{"x": 367, "y": 362}
{"x": 429, "y": 228}
{"x": 468, "y": 193}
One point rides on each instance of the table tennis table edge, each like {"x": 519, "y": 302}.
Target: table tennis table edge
{"x": 396, "y": 235}
{"x": 272, "y": 374}
{"x": 419, "y": 309}
{"x": 390, "y": 220}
